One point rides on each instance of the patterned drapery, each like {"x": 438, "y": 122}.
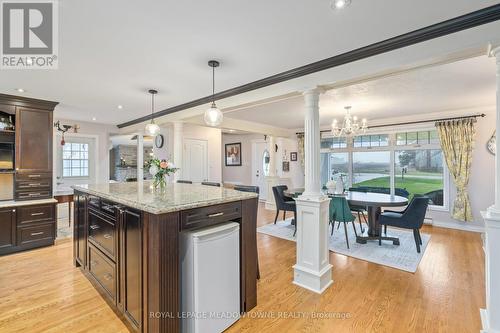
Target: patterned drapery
{"x": 457, "y": 143}
{"x": 300, "y": 139}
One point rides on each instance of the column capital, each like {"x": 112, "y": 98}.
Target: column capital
{"x": 495, "y": 51}
{"x": 313, "y": 91}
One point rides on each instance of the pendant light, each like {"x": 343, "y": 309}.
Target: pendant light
{"x": 151, "y": 128}
{"x": 213, "y": 116}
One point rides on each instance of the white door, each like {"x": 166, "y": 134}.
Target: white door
{"x": 195, "y": 160}
{"x": 75, "y": 162}
{"x": 260, "y": 167}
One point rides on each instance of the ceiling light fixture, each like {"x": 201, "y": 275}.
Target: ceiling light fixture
{"x": 151, "y": 128}
{"x": 94, "y": 118}
{"x": 120, "y": 107}
{"x": 21, "y": 90}
{"x": 339, "y": 4}
{"x": 213, "y": 116}
{"x": 350, "y": 127}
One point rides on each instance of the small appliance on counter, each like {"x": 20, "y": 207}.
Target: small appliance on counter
{"x": 6, "y": 123}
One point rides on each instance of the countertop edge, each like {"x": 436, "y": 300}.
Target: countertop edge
{"x": 147, "y": 208}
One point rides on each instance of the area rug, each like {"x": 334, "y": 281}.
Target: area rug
{"x": 403, "y": 257}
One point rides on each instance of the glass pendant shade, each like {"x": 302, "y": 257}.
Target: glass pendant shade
{"x": 152, "y": 129}
{"x": 213, "y": 116}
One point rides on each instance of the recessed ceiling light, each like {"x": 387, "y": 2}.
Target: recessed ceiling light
{"x": 94, "y": 118}
{"x": 21, "y": 90}
{"x": 231, "y": 130}
{"x": 339, "y": 4}
{"x": 120, "y": 107}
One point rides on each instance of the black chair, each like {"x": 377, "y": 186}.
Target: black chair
{"x": 210, "y": 184}
{"x": 247, "y": 188}
{"x": 283, "y": 204}
{"x": 411, "y": 218}
{"x": 358, "y": 209}
{"x": 184, "y": 181}
{"x": 253, "y": 189}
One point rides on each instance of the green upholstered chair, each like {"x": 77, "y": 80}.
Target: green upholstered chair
{"x": 341, "y": 212}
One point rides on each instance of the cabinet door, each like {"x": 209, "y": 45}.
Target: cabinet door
{"x": 79, "y": 231}
{"x": 7, "y": 228}
{"x": 33, "y": 140}
{"x": 131, "y": 266}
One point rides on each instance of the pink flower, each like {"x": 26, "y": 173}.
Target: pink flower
{"x": 163, "y": 164}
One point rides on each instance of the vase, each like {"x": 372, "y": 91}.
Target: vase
{"x": 159, "y": 182}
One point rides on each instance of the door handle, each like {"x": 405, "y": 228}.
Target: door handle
{"x": 216, "y": 214}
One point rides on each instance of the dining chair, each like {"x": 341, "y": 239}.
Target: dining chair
{"x": 184, "y": 181}
{"x": 283, "y": 204}
{"x": 341, "y": 212}
{"x": 358, "y": 209}
{"x": 411, "y": 218}
{"x": 210, "y": 184}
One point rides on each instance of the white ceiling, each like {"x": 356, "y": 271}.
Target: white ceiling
{"x": 112, "y": 51}
{"x": 465, "y": 84}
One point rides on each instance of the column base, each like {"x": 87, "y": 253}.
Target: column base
{"x": 485, "y": 322}
{"x": 313, "y": 270}
{"x": 311, "y": 280}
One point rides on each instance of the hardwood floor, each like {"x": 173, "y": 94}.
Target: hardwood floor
{"x": 41, "y": 291}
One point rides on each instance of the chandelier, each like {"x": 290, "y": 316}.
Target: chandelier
{"x": 350, "y": 127}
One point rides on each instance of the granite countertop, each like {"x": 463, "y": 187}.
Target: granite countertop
{"x": 12, "y": 203}
{"x": 175, "y": 197}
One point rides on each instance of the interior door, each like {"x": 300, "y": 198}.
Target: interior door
{"x": 195, "y": 161}
{"x": 75, "y": 162}
{"x": 259, "y": 169}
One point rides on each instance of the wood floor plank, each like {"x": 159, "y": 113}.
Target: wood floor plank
{"x": 41, "y": 291}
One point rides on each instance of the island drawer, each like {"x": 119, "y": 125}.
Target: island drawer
{"x": 103, "y": 271}
{"x": 103, "y": 206}
{"x": 31, "y": 234}
{"x": 38, "y": 214}
{"x": 102, "y": 233}
{"x": 33, "y": 194}
{"x": 34, "y": 184}
{"x": 205, "y": 216}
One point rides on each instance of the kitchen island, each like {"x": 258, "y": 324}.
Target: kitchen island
{"x": 126, "y": 241}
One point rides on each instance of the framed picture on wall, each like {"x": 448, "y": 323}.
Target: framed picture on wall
{"x": 293, "y": 156}
{"x": 233, "y": 154}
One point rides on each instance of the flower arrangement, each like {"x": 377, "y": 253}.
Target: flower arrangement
{"x": 159, "y": 169}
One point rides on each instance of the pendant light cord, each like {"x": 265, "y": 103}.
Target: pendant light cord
{"x": 152, "y": 107}
{"x": 213, "y": 86}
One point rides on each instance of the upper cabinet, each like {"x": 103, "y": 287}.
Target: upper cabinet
{"x": 33, "y": 140}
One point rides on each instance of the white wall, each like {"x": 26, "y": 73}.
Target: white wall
{"x": 482, "y": 178}
{"x": 239, "y": 174}
{"x": 102, "y": 132}
{"x": 212, "y": 135}
{"x": 243, "y": 174}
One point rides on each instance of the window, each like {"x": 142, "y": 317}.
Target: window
{"x": 420, "y": 171}
{"x": 371, "y": 169}
{"x": 333, "y": 142}
{"x": 414, "y": 138}
{"x": 334, "y": 166}
{"x": 381, "y": 140}
{"x": 75, "y": 160}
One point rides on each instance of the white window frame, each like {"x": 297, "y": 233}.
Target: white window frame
{"x": 392, "y": 148}
{"x": 88, "y": 163}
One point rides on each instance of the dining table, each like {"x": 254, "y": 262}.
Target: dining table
{"x": 373, "y": 203}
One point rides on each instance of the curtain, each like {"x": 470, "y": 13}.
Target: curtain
{"x": 300, "y": 139}
{"x": 457, "y": 143}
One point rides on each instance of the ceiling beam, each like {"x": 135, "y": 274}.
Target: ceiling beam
{"x": 467, "y": 21}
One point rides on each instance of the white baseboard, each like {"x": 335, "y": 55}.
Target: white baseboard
{"x": 465, "y": 226}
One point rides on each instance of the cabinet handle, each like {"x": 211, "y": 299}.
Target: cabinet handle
{"x": 107, "y": 236}
{"x": 13, "y": 211}
{"x": 34, "y": 184}
{"x": 94, "y": 227}
{"x": 36, "y": 214}
{"x": 37, "y": 233}
{"x": 34, "y": 176}
{"x": 216, "y": 214}
{"x": 108, "y": 277}
{"x": 34, "y": 194}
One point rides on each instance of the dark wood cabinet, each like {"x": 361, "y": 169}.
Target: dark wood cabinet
{"x": 130, "y": 299}
{"x": 79, "y": 230}
{"x": 7, "y": 228}
{"x": 33, "y": 140}
{"x": 24, "y": 227}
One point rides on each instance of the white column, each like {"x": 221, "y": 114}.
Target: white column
{"x": 271, "y": 180}
{"x": 178, "y": 149}
{"x": 140, "y": 157}
{"x": 312, "y": 270}
{"x": 490, "y": 316}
